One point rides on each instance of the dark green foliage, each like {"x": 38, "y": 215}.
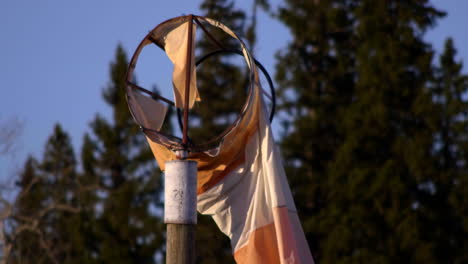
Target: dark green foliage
{"x": 59, "y": 172}
{"x": 385, "y": 154}
{"x": 315, "y": 75}
{"x": 126, "y": 230}
{"x": 445, "y": 212}
{"x": 25, "y": 244}
{"x": 365, "y": 137}
{"x": 44, "y": 212}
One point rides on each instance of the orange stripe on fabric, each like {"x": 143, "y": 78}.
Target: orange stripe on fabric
{"x": 287, "y": 245}
{"x": 279, "y": 242}
{"x": 261, "y": 247}
{"x": 211, "y": 170}
{"x": 208, "y": 180}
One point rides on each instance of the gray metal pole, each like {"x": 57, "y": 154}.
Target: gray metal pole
{"x": 180, "y": 210}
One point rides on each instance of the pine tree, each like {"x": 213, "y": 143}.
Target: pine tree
{"x": 315, "y": 75}
{"x": 108, "y": 213}
{"x": 385, "y": 156}
{"x": 360, "y": 140}
{"x": 58, "y": 168}
{"x": 86, "y": 244}
{"x": 45, "y": 211}
{"x": 443, "y": 205}
{"x": 25, "y": 244}
{"x": 117, "y": 153}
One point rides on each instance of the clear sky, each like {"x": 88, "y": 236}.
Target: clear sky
{"x": 55, "y": 57}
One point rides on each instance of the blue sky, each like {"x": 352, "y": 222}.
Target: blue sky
{"x": 56, "y": 54}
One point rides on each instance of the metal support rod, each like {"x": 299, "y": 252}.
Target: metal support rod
{"x": 180, "y": 213}
{"x": 208, "y": 34}
{"x": 187, "y": 81}
{"x": 180, "y": 190}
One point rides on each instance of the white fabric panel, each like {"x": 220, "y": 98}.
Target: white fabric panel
{"x": 146, "y": 111}
{"x": 235, "y": 203}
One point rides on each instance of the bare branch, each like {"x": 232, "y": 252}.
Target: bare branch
{"x": 32, "y": 222}
{"x": 10, "y": 130}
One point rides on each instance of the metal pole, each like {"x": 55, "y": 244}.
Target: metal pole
{"x": 180, "y": 212}
{"x": 188, "y": 74}
{"x": 180, "y": 190}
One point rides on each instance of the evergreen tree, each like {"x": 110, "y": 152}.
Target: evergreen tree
{"x": 108, "y": 213}
{"x": 86, "y": 245}
{"x": 359, "y": 148}
{"x": 443, "y": 205}
{"x": 46, "y": 205}
{"x": 385, "y": 155}
{"x": 315, "y": 74}
{"x": 25, "y": 244}
{"x": 127, "y": 229}
{"x": 58, "y": 168}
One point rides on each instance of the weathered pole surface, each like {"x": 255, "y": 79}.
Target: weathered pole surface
{"x": 180, "y": 244}
{"x": 180, "y": 212}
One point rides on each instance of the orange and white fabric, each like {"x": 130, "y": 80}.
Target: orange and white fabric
{"x": 252, "y": 202}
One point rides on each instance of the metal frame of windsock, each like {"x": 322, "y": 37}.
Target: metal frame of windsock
{"x": 176, "y": 37}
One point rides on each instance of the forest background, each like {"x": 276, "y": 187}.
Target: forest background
{"x": 372, "y": 122}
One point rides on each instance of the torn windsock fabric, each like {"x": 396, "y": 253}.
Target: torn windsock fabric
{"x": 145, "y": 110}
{"x": 245, "y": 190}
{"x": 253, "y": 205}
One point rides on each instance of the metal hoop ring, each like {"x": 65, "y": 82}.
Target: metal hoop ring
{"x": 264, "y": 71}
